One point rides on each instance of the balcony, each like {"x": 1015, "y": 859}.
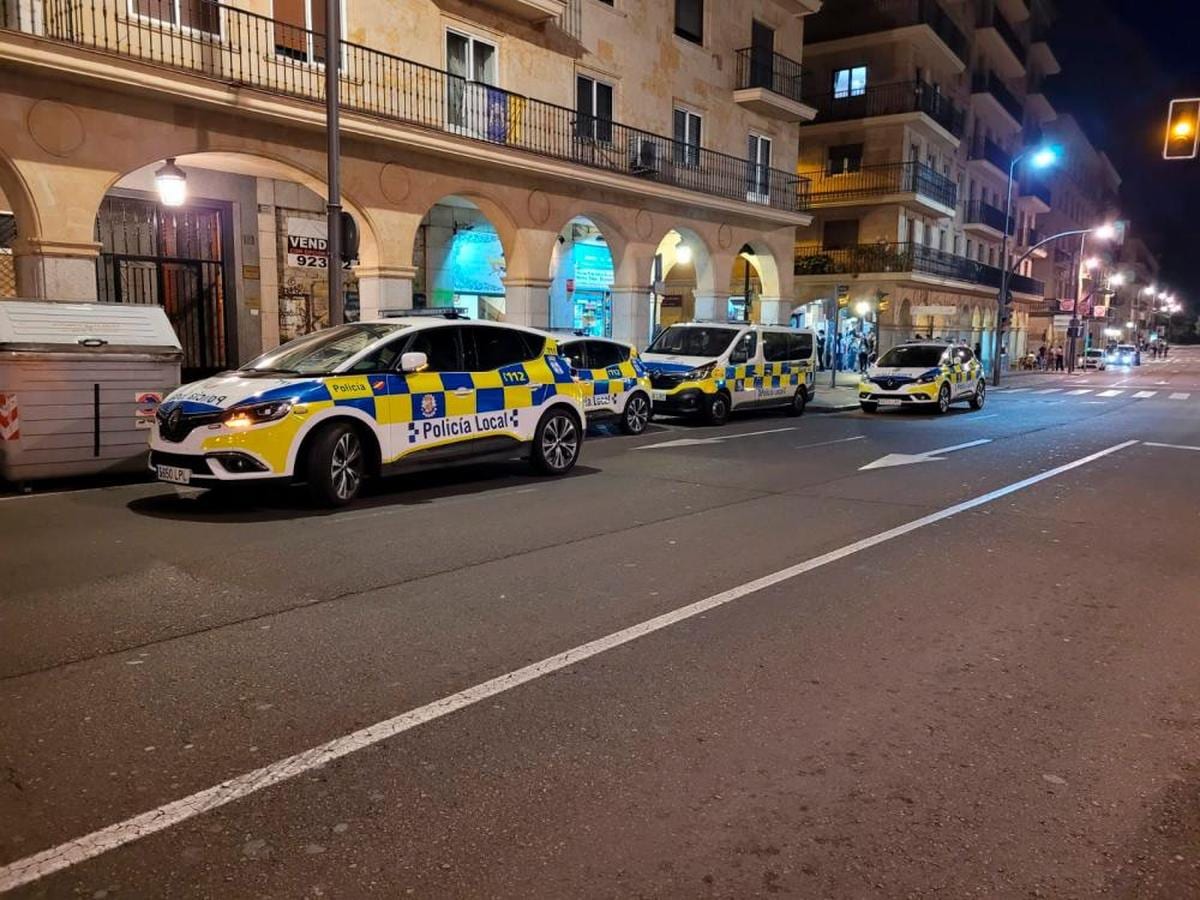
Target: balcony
{"x": 1040, "y": 107}
{"x": 1038, "y": 193}
{"x": 907, "y": 259}
{"x": 911, "y": 184}
{"x": 986, "y": 84}
{"x": 988, "y": 151}
{"x": 769, "y": 84}
{"x": 984, "y": 218}
{"x": 529, "y": 10}
{"x": 256, "y": 53}
{"x": 1003, "y": 40}
{"x": 858, "y": 18}
{"x": 890, "y": 100}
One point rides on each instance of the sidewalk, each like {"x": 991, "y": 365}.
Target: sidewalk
{"x": 842, "y": 397}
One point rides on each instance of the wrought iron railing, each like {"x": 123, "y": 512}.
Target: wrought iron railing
{"x": 242, "y": 48}
{"x": 906, "y": 257}
{"x": 993, "y": 18}
{"x": 764, "y": 69}
{"x": 889, "y": 99}
{"x": 988, "y": 83}
{"x": 982, "y": 213}
{"x": 986, "y": 148}
{"x": 852, "y": 18}
{"x": 880, "y": 180}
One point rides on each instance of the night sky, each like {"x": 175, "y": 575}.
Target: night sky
{"x": 1123, "y": 60}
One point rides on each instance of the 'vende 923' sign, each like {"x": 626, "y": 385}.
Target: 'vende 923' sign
{"x": 307, "y": 243}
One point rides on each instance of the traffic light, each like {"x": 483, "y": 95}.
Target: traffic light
{"x": 1183, "y": 129}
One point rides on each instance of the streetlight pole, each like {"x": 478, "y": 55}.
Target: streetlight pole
{"x": 333, "y": 208}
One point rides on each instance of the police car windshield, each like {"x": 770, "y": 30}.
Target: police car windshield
{"x": 322, "y": 352}
{"x": 917, "y": 356}
{"x": 688, "y": 340}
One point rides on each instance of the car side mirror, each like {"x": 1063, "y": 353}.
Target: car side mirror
{"x": 413, "y": 361}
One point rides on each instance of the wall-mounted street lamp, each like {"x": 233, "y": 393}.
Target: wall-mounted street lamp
{"x": 683, "y": 253}
{"x": 171, "y": 182}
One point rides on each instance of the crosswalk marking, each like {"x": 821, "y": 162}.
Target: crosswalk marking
{"x": 1018, "y": 390}
{"x": 1048, "y": 391}
{"x": 1180, "y": 396}
{"x": 1144, "y": 395}
{"x": 1079, "y": 392}
{"x": 1110, "y": 393}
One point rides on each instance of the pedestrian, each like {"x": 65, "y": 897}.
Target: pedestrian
{"x": 1041, "y": 358}
{"x": 864, "y": 353}
{"x": 1058, "y": 358}
{"x": 1166, "y": 349}
{"x": 821, "y": 350}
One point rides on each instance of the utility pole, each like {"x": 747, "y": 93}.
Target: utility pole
{"x": 333, "y": 208}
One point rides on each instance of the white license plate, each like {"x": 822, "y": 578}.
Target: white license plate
{"x": 658, "y": 396}
{"x": 174, "y": 474}
{"x": 890, "y": 402}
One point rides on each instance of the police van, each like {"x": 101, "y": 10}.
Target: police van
{"x": 614, "y": 382}
{"x": 925, "y": 374}
{"x": 347, "y": 403}
{"x": 709, "y": 369}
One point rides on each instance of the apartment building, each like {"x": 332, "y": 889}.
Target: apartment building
{"x": 596, "y": 164}
{"x": 921, "y": 107}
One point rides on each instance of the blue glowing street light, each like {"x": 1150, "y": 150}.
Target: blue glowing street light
{"x": 1042, "y": 156}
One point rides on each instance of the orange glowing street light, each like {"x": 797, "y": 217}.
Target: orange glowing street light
{"x": 1183, "y": 139}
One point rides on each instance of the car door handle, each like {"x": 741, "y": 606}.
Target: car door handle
{"x": 462, "y": 392}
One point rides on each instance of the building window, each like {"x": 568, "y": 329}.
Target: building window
{"x": 970, "y": 248}
{"x": 594, "y": 109}
{"x": 471, "y": 68}
{"x": 837, "y": 234}
{"x": 758, "y": 169}
{"x": 850, "y": 82}
{"x": 844, "y": 158}
{"x": 686, "y": 149}
{"x": 689, "y": 20}
{"x": 196, "y": 15}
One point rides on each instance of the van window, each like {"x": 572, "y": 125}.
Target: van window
{"x": 745, "y": 348}
{"x": 691, "y": 340}
{"x": 800, "y": 346}
{"x": 775, "y": 346}
{"x": 602, "y": 354}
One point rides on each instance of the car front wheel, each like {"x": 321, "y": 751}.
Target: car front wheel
{"x": 979, "y": 397}
{"x": 556, "y": 442}
{"x": 718, "y": 409}
{"x": 943, "y": 400}
{"x": 636, "y": 415}
{"x": 337, "y": 465}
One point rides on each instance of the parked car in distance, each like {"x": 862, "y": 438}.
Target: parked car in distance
{"x": 614, "y": 382}
{"x": 1094, "y": 359}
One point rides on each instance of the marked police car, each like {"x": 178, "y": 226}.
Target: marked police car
{"x": 615, "y": 385}
{"x": 928, "y": 374}
{"x": 354, "y": 401}
{"x": 709, "y": 369}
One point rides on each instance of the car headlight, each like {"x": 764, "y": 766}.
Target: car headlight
{"x": 700, "y": 372}
{"x": 256, "y": 414}
{"x": 929, "y": 377}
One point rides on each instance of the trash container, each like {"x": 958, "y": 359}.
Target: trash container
{"x": 79, "y": 386}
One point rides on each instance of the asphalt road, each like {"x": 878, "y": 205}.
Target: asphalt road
{"x": 968, "y": 676}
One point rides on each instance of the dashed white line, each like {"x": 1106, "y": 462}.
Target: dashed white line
{"x": 1019, "y": 390}
{"x": 1079, "y": 392}
{"x": 1110, "y": 393}
{"x": 1144, "y": 395}
{"x": 1048, "y": 391}
{"x": 1180, "y": 395}
{"x": 1172, "y": 446}
{"x": 31, "y": 868}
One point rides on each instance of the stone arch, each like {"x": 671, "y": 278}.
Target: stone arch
{"x": 497, "y": 213}
{"x": 767, "y": 266}
{"x": 703, "y": 262}
{"x": 458, "y": 235}
{"x": 582, "y": 269}
{"x": 15, "y": 189}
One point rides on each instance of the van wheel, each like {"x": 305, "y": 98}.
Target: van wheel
{"x": 556, "y": 442}
{"x": 799, "y": 401}
{"x": 336, "y": 465}
{"x": 636, "y": 415}
{"x": 717, "y": 412}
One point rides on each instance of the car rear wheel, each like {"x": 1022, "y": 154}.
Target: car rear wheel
{"x": 943, "y": 400}
{"x": 636, "y": 416}
{"x": 799, "y": 401}
{"x": 556, "y": 442}
{"x": 336, "y": 465}
{"x": 979, "y": 397}
{"x": 717, "y": 412}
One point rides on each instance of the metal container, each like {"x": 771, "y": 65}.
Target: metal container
{"x": 79, "y": 386}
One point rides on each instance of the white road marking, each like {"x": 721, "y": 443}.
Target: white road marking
{"x": 1079, "y": 392}
{"x": 985, "y": 416}
{"x": 908, "y": 459}
{"x": 34, "y": 495}
{"x": 859, "y": 437}
{"x": 31, "y": 868}
{"x": 1172, "y": 446}
{"x": 1110, "y": 393}
{"x": 1018, "y": 390}
{"x": 1144, "y": 395}
{"x": 1180, "y": 396}
{"x": 718, "y": 439}
{"x": 1048, "y": 391}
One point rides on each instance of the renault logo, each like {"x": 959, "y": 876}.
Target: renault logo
{"x": 175, "y": 418}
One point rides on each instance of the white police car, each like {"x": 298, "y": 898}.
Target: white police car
{"x": 614, "y": 382}
{"x": 346, "y": 403}
{"x": 929, "y": 374}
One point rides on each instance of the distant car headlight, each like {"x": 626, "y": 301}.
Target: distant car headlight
{"x": 256, "y": 414}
